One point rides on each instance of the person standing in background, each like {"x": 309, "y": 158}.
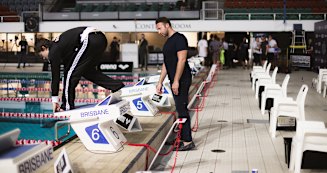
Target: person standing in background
{"x": 232, "y": 52}
{"x": 243, "y": 53}
{"x": 215, "y": 49}
{"x": 143, "y": 52}
{"x": 203, "y": 47}
{"x": 272, "y": 46}
{"x": 264, "y": 50}
{"x": 23, "y": 52}
{"x": 256, "y": 49}
{"x": 114, "y": 50}
{"x": 226, "y": 56}
{"x": 310, "y": 52}
{"x": 179, "y": 73}
{"x": 209, "y": 56}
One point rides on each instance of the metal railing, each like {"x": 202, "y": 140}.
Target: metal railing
{"x": 59, "y": 125}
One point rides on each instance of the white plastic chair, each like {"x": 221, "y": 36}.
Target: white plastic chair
{"x": 261, "y": 74}
{"x": 258, "y": 69}
{"x": 324, "y": 90}
{"x": 274, "y": 91}
{"x": 288, "y": 107}
{"x": 322, "y": 76}
{"x": 265, "y": 81}
{"x": 310, "y": 135}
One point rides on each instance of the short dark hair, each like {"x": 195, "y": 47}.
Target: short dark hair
{"x": 163, "y": 20}
{"x": 42, "y": 43}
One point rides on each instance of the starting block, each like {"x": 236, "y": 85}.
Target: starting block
{"x": 142, "y": 106}
{"x": 160, "y": 100}
{"x": 24, "y": 158}
{"x": 167, "y": 94}
{"x": 98, "y": 135}
{"x": 96, "y": 125}
{"x": 139, "y": 98}
{"x": 111, "y": 108}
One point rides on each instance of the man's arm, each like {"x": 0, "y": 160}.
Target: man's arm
{"x": 182, "y": 56}
{"x": 55, "y": 80}
{"x": 162, "y": 78}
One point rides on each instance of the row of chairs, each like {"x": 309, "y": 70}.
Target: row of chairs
{"x": 309, "y": 135}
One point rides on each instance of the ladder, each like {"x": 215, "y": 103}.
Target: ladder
{"x": 298, "y": 41}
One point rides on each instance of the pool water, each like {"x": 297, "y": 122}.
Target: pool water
{"x": 33, "y": 129}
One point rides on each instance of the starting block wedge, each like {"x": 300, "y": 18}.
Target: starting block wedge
{"x": 99, "y": 136}
{"x": 166, "y": 89}
{"x": 160, "y": 100}
{"x": 142, "y": 106}
{"x": 129, "y": 122}
{"x": 24, "y": 158}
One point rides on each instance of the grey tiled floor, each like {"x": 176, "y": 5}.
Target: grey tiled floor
{"x": 245, "y": 145}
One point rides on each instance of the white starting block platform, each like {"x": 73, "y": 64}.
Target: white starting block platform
{"x": 143, "y": 98}
{"x": 96, "y": 125}
{"x": 24, "y": 158}
{"x": 165, "y": 99}
{"x": 111, "y": 108}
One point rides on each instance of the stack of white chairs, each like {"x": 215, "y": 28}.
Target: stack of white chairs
{"x": 265, "y": 81}
{"x": 309, "y": 135}
{"x": 274, "y": 91}
{"x": 258, "y": 69}
{"x": 260, "y": 74}
{"x": 288, "y": 107}
{"x": 321, "y": 81}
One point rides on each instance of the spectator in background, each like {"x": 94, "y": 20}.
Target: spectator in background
{"x": 209, "y": 56}
{"x": 23, "y": 52}
{"x": 225, "y": 47}
{"x": 264, "y": 50}
{"x": 143, "y": 52}
{"x": 272, "y": 49}
{"x": 310, "y": 51}
{"x": 232, "y": 51}
{"x": 244, "y": 53}
{"x": 256, "y": 49}
{"x": 203, "y": 47}
{"x": 215, "y": 49}
{"x": 114, "y": 50}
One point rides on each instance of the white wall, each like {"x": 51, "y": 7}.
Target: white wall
{"x": 180, "y": 25}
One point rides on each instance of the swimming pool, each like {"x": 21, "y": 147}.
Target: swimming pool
{"x": 25, "y": 104}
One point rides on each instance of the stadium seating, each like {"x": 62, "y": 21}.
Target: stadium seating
{"x": 274, "y": 10}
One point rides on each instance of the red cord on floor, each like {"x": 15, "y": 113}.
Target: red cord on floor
{"x": 148, "y": 147}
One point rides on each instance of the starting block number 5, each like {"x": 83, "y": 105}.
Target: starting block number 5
{"x": 96, "y": 135}
{"x": 139, "y": 104}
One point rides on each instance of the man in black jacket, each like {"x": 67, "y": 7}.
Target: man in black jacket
{"x": 79, "y": 50}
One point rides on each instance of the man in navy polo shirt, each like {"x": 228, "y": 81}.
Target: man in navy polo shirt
{"x": 179, "y": 73}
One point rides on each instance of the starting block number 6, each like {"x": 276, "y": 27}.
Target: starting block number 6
{"x": 95, "y": 134}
